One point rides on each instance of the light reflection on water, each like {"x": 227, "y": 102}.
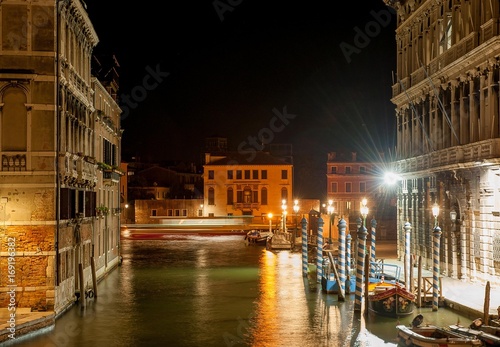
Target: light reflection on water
{"x": 215, "y": 291}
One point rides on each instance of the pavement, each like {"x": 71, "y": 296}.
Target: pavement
{"x": 465, "y": 297}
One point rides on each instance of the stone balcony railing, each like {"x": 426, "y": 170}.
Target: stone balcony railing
{"x": 473, "y": 154}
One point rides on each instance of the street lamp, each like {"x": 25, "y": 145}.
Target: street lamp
{"x": 201, "y": 208}
{"x": 296, "y": 210}
{"x": 283, "y": 207}
{"x": 329, "y": 209}
{"x": 436, "y": 258}
{"x": 364, "y": 211}
{"x": 270, "y": 217}
{"x": 435, "y": 213}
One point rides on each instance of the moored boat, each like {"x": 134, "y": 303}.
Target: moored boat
{"x": 280, "y": 241}
{"x": 390, "y": 300}
{"x": 432, "y": 336}
{"x": 487, "y": 335}
{"x": 257, "y": 237}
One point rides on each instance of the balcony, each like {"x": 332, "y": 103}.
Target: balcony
{"x": 111, "y": 176}
{"x": 452, "y": 158}
{"x": 246, "y": 206}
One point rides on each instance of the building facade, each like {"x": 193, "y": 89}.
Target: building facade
{"x": 59, "y": 143}
{"x": 239, "y": 185}
{"x": 448, "y": 145}
{"x": 351, "y": 178}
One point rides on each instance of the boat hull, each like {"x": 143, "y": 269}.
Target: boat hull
{"x": 432, "y": 336}
{"x": 391, "y": 300}
{"x": 488, "y": 336}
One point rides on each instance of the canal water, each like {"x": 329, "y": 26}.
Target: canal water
{"x": 192, "y": 291}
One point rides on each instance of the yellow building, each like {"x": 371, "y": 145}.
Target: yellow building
{"x": 247, "y": 185}
{"x": 59, "y": 144}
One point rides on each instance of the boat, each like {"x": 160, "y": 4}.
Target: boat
{"x": 432, "y": 336}
{"x": 478, "y": 324}
{"x": 390, "y": 299}
{"x": 257, "y": 237}
{"x": 487, "y": 335}
{"x": 279, "y": 241}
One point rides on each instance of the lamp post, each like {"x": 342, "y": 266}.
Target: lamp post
{"x": 435, "y": 259}
{"x": 201, "y": 208}
{"x": 283, "y": 207}
{"x": 270, "y": 217}
{"x": 296, "y": 210}
{"x": 360, "y": 259}
{"x": 329, "y": 209}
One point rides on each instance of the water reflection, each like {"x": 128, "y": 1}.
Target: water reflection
{"x": 215, "y": 291}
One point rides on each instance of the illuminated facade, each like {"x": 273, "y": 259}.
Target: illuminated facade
{"x": 351, "y": 178}
{"x": 235, "y": 185}
{"x": 448, "y": 144}
{"x": 59, "y": 143}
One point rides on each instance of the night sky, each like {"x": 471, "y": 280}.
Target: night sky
{"x": 303, "y": 73}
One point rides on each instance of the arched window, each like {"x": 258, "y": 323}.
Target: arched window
{"x": 14, "y": 120}
{"x": 284, "y": 194}
{"x": 247, "y": 195}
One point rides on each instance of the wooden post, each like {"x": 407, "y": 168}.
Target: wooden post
{"x": 486, "y": 313}
{"x": 410, "y": 275}
{"x": 94, "y": 276}
{"x": 82, "y": 285}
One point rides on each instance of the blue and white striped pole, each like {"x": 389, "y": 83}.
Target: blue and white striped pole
{"x": 304, "y": 247}
{"x": 342, "y": 275}
{"x": 372, "y": 252}
{"x": 407, "y": 254}
{"x": 319, "y": 254}
{"x": 435, "y": 268}
{"x": 348, "y": 262}
{"x": 360, "y": 264}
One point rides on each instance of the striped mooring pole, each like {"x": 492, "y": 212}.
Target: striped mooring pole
{"x": 435, "y": 268}
{"x": 304, "y": 246}
{"x": 342, "y": 275}
{"x": 348, "y": 262}
{"x": 319, "y": 254}
{"x": 407, "y": 269}
{"x": 372, "y": 248}
{"x": 360, "y": 264}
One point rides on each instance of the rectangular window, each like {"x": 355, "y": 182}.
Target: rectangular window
{"x": 238, "y": 174}
{"x": 255, "y": 197}
{"x": 211, "y": 174}
{"x": 334, "y": 170}
{"x": 177, "y": 212}
{"x": 263, "y": 196}
{"x": 184, "y": 212}
{"x": 239, "y": 196}
{"x": 263, "y": 174}
{"x": 153, "y": 212}
{"x": 347, "y": 169}
{"x": 362, "y": 170}
{"x": 362, "y": 187}
{"x": 334, "y": 187}
{"x": 348, "y": 187}
{"x": 255, "y": 174}
{"x": 211, "y": 196}
{"x": 229, "y": 174}
{"x": 284, "y": 174}
{"x": 247, "y": 174}
{"x": 230, "y": 197}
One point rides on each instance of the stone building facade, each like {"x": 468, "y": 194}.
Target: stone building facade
{"x": 448, "y": 133}
{"x": 247, "y": 185}
{"x": 59, "y": 143}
